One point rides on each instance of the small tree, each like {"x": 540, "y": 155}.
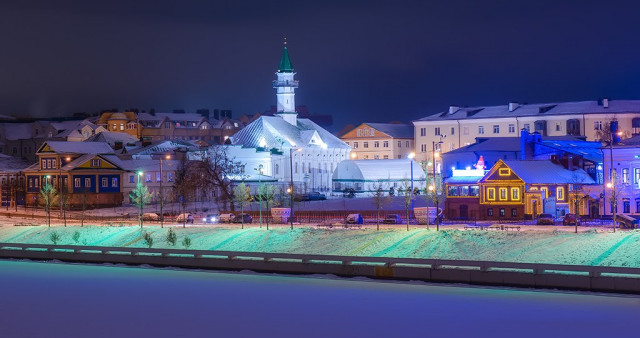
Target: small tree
{"x": 186, "y": 242}
{"x": 380, "y": 199}
{"x": 140, "y": 196}
{"x": 171, "y": 237}
{"x": 242, "y": 197}
{"x": 48, "y": 195}
{"x": 76, "y": 237}
{"x": 148, "y": 239}
{"x": 576, "y": 194}
{"x": 407, "y": 194}
{"x": 54, "y": 237}
{"x": 267, "y": 197}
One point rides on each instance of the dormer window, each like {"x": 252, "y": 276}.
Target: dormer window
{"x": 95, "y": 163}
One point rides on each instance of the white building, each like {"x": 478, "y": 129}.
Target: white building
{"x": 366, "y": 176}
{"x": 295, "y": 146}
{"x": 460, "y": 126}
{"x": 626, "y": 162}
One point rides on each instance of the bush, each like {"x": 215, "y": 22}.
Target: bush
{"x": 148, "y": 239}
{"x": 186, "y": 242}
{"x": 54, "y": 237}
{"x": 171, "y": 237}
{"x": 76, "y": 237}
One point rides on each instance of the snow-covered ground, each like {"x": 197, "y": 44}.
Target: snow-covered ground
{"x": 532, "y": 244}
{"x": 65, "y": 300}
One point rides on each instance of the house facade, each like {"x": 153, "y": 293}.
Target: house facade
{"x": 377, "y": 141}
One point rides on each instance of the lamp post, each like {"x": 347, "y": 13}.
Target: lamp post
{"x": 435, "y": 188}
{"x": 291, "y": 150}
{"x": 612, "y": 184}
{"x": 259, "y": 170}
{"x": 138, "y": 194}
{"x": 161, "y": 195}
{"x": 411, "y": 156}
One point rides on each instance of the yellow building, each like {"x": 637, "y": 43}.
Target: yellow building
{"x": 378, "y": 141}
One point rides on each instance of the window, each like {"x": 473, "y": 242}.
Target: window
{"x": 480, "y": 130}
{"x": 121, "y": 126}
{"x": 114, "y": 181}
{"x": 490, "y": 212}
{"x": 545, "y": 192}
{"x": 514, "y": 212}
{"x": 512, "y": 128}
{"x": 365, "y": 144}
{"x": 453, "y": 131}
{"x": 87, "y": 182}
{"x": 95, "y": 163}
{"x": 504, "y": 171}
{"x": 385, "y": 144}
{"x": 502, "y": 213}
{"x": 76, "y": 183}
{"x": 309, "y": 167}
{"x": 296, "y": 168}
{"x": 30, "y": 182}
{"x": 406, "y": 144}
{"x": 637, "y": 205}
{"x": 386, "y": 157}
{"x": 43, "y": 165}
{"x": 376, "y": 144}
{"x": 104, "y": 182}
{"x": 437, "y": 131}
{"x": 131, "y": 179}
{"x": 36, "y": 182}
{"x": 147, "y": 177}
{"x": 170, "y": 176}
{"x": 560, "y": 193}
{"x": 491, "y": 194}
{"x": 53, "y": 163}
{"x": 597, "y": 125}
{"x": 355, "y": 145}
{"x": 636, "y": 174}
{"x": 276, "y": 169}
{"x": 399, "y": 144}
{"x": 465, "y": 130}
{"x": 423, "y": 131}
{"x": 376, "y": 157}
{"x": 515, "y": 194}
{"x": 158, "y": 177}
{"x": 626, "y": 206}
{"x": 423, "y": 148}
{"x": 303, "y": 167}
{"x": 503, "y": 194}
{"x": 625, "y": 175}
{"x": 558, "y": 127}
{"x": 527, "y": 127}
{"x": 496, "y": 129}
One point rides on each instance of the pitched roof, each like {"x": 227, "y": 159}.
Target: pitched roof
{"x": 17, "y": 131}
{"x": 65, "y": 147}
{"x": 274, "y": 132}
{"x": 538, "y": 109}
{"x": 546, "y": 172}
{"x": 9, "y": 164}
{"x": 285, "y": 62}
{"x": 111, "y": 138}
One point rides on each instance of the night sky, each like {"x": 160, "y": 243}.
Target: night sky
{"x": 359, "y": 61}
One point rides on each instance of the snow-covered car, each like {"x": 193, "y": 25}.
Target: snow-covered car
{"x": 545, "y": 219}
{"x": 226, "y": 218}
{"x": 211, "y": 218}
{"x": 392, "y": 219}
{"x": 355, "y": 219}
{"x": 243, "y": 218}
{"x": 185, "y": 218}
{"x": 150, "y": 216}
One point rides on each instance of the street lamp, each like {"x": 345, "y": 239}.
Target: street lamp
{"x": 291, "y": 150}
{"x": 613, "y": 174}
{"x": 167, "y": 157}
{"x": 411, "y": 156}
{"x": 138, "y": 193}
{"x": 354, "y": 155}
{"x": 434, "y": 191}
{"x": 259, "y": 170}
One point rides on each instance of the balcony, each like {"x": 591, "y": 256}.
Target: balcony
{"x": 293, "y": 83}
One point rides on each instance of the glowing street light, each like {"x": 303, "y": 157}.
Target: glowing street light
{"x": 354, "y": 155}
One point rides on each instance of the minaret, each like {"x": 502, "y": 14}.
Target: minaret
{"x": 285, "y": 87}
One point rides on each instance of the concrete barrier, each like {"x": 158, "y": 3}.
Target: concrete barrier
{"x": 533, "y": 275}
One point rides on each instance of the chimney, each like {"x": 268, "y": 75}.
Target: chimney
{"x": 570, "y": 163}
{"x": 453, "y": 109}
{"x": 513, "y": 106}
{"x": 605, "y": 103}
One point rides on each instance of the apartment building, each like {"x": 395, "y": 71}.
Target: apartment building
{"x": 380, "y": 141}
{"x": 460, "y": 126}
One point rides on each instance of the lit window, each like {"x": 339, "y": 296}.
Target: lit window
{"x": 169, "y": 177}
{"x": 491, "y": 194}
{"x": 560, "y": 193}
{"x": 87, "y": 183}
{"x": 504, "y": 171}
{"x": 545, "y": 192}
{"x": 147, "y": 178}
{"x": 114, "y": 181}
{"x": 104, "y": 182}
{"x": 132, "y": 179}
{"x": 503, "y": 194}
{"x": 76, "y": 183}
{"x": 515, "y": 194}
{"x": 625, "y": 175}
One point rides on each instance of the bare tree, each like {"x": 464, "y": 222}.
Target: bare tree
{"x": 48, "y": 195}
{"x": 576, "y": 194}
{"x": 140, "y": 196}
{"x": 267, "y": 197}
{"x": 216, "y": 170}
{"x": 407, "y": 194}
{"x": 380, "y": 199}
{"x": 242, "y": 197}
{"x": 184, "y": 184}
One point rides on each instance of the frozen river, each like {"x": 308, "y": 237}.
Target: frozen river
{"x": 65, "y": 300}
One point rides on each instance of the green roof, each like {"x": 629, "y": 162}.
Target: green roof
{"x": 285, "y": 62}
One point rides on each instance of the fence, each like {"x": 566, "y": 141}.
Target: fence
{"x": 537, "y": 275}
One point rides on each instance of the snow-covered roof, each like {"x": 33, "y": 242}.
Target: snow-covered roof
{"x": 275, "y": 132}
{"x": 9, "y": 164}
{"x": 463, "y": 179}
{"x": 17, "y": 131}
{"x": 144, "y": 164}
{"x": 378, "y": 170}
{"x": 547, "y": 172}
{"x": 74, "y": 129}
{"x": 160, "y": 147}
{"x": 538, "y": 109}
{"x": 111, "y": 138}
{"x": 64, "y": 147}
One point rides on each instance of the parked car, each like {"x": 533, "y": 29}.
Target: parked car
{"x": 571, "y": 219}
{"x": 355, "y": 219}
{"x": 242, "y": 218}
{"x": 211, "y": 218}
{"x": 545, "y": 219}
{"x": 150, "y": 216}
{"x": 312, "y": 196}
{"x": 349, "y": 193}
{"x": 185, "y": 218}
{"x": 226, "y": 218}
{"x": 392, "y": 219}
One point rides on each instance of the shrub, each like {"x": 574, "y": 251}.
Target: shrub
{"x": 186, "y": 242}
{"x": 54, "y": 237}
{"x": 148, "y": 239}
{"x": 171, "y": 237}
{"x": 76, "y": 237}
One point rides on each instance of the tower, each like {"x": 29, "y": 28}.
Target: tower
{"x": 285, "y": 87}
